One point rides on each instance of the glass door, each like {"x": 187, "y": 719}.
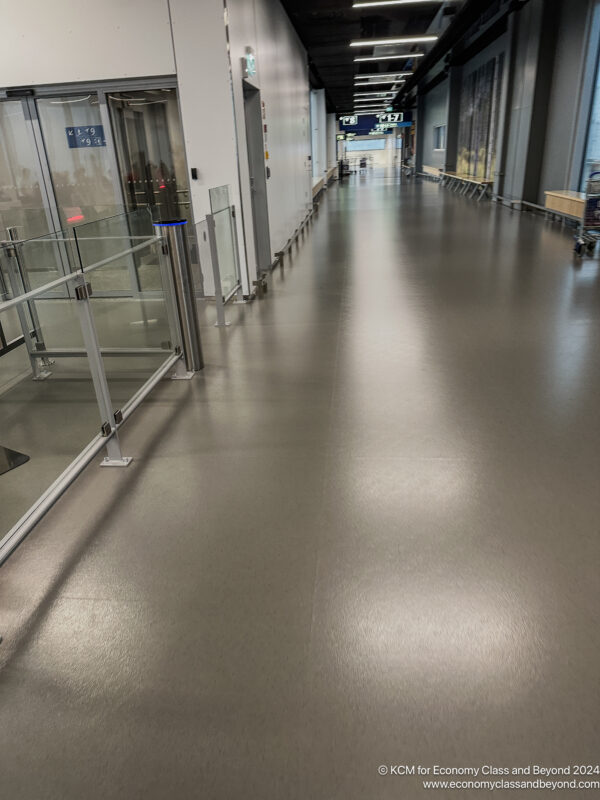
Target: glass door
{"x": 82, "y": 164}
{"x": 150, "y": 151}
{"x": 151, "y": 158}
{"x": 71, "y": 159}
{"x": 24, "y": 203}
{"x": 85, "y": 182}
{"x": 26, "y": 197}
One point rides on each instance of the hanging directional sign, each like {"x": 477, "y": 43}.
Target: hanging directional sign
{"x": 397, "y": 116}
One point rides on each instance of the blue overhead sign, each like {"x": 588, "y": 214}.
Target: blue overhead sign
{"x": 363, "y": 124}
{"x": 85, "y": 136}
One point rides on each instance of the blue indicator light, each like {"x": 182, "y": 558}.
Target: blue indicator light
{"x": 173, "y": 224}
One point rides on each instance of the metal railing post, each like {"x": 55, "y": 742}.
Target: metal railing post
{"x": 108, "y": 421}
{"x": 185, "y": 296}
{"x": 19, "y": 285}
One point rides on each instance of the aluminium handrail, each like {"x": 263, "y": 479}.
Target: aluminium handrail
{"x": 73, "y": 275}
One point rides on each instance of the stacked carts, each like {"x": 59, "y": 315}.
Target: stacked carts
{"x": 589, "y": 228}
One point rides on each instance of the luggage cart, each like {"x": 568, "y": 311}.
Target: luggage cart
{"x": 588, "y": 234}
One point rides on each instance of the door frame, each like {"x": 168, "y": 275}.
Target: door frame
{"x": 262, "y": 237}
{"x": 42, "y": 165}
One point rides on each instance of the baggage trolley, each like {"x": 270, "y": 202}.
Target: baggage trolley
{"x": 588, "y": 234}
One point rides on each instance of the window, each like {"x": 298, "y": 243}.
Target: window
{"x": 365, "y": 144}
{"x": 439, "y": 137}
{"x": 592, "y": 155}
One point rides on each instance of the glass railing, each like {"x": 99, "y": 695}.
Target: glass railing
{"x": 74, "y": 361}
{"x": 48, "y": 409}
{"x": 226, "y": 251}
{"x": 116, "y": 244}
{"x": 215, "y": 257}
{"x": 41, "y": 261}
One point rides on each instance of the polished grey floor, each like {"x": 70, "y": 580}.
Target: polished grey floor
{"x": 366, "y": 535}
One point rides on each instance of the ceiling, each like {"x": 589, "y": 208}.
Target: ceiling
{"x": 326, "y": 28}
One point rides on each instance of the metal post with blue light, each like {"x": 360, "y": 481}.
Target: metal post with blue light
{"x": 175, "y": 245}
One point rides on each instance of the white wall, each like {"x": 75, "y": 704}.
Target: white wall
{"x": 205, "y": 99}
{"x": 318, "y": 134}
{"x": 283, "y": 81}
{"x": 331, "y": 141}
{"x": 63, "y": 41}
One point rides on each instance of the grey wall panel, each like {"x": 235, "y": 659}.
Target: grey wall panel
{"x": 435, "y": 112}
{"x": 564, "y": 106}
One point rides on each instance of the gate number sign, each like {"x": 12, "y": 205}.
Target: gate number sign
{"x": 86, "y": 136}
{"x": 389, "y": 118}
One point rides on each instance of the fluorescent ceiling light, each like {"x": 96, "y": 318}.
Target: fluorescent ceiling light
{"x": 373, "y": 94}
{"x": 382, "y": 75}
{"x": 392, "y": 3}
{"x": 378, "y": 83}
{"x": 390, "y": 58}
{"x": 393, "y": 40}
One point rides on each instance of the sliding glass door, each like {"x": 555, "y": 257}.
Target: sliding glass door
{"x": 24, "y": 202}
{"x": 80, "y": 161}
{"x": 150, "y": 151}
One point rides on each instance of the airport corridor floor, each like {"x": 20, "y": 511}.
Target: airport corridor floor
{"x": 365, "y": 536}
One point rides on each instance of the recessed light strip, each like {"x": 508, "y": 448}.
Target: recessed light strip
{"x": 393, "y": 40}
{"x": 372, "y": 3}
{"x": 382, "y": 75}
{"x": 397, "y": 57}
{"x": 377, "y": 83}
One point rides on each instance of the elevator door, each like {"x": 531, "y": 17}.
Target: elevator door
{"x": 150, "y": 151}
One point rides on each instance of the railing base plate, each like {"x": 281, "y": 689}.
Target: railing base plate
{"x": 185, "y": 376}
{"x": 116, "y": 462}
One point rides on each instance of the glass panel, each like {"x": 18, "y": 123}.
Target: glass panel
{"x": 75, "y": 140}
{"x": 51, "y": 316}
{"x": 228, "y": 267}
{"x": 21, "y": 202}
{"x": 150, "y": 151}
{"x": 114, "y": 238}
{"x": 219, "y": 198}
{"x": 200, "y": 257}
{"x": 139, "y": 330}
{"x": 50, "y": 421}
{"x": 44, "y": 259}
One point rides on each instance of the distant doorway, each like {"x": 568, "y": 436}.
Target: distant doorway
{"x": 258, "y": 177}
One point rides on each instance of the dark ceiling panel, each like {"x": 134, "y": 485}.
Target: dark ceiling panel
{"x": 326, "y": 27}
